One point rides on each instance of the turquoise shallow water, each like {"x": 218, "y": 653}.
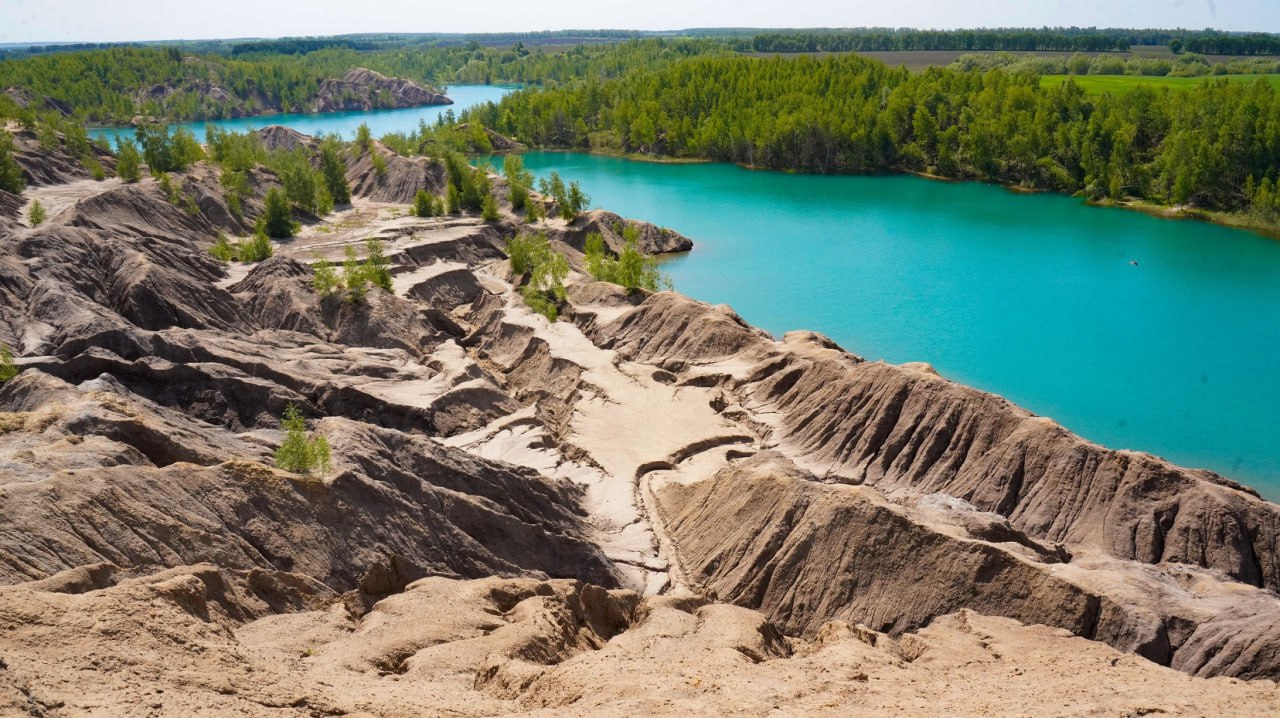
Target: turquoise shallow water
{"x": 344, "y": 123}
{"x": 1033, "y": 297}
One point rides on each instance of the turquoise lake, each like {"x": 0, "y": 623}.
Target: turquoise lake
{"x": 1033, "y": 297}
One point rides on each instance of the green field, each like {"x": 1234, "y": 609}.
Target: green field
{"x": 1121, "y": 84}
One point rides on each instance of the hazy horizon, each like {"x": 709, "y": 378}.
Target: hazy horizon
{"x": 74, "y": 21}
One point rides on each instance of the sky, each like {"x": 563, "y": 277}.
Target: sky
{"x": 114, "y": 21}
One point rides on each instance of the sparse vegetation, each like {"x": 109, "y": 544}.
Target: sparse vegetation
{"x": 489, "y": 209}
{"x": 426, "y": 204}
{"x": 8, "y": 369}
{"x": 631, "y": 269}
{"x": 353, "y": 275}
{"x": 36, "y": 215}
{"x": 468, "y": 186}
{"x": 334, "y": 171}
{"x": 364, "y": 137}
{"x": 299, "y": 453}
{"x": 519, "y": 181}
{"x": 11, "y": 179}
{"x": 255, "y": 249}
{"x": 571, "y": 201}
{"x": 357, "y": 275}
{"x": 166, "y": 151}
{"x": 128, "y": 162}
{"x": 276, "y": 219}
{"x": 324, "y": 278}
{"x": 545, "y": 270}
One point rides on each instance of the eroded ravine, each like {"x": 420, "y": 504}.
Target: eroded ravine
{"x": 517, "y": 506}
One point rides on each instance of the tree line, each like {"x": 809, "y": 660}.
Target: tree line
{"x": 1212, "y": 147}
{"x": 1184, "y": 65}
{"x": 880, "y": 40}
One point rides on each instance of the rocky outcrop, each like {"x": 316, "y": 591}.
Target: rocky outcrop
{"x": 398, "y": 181}
{"x": 10, "y": 205}
{"x": 651, "y": 238}
{"x": 278, "y": 137}
{"x": 363, "y": 89}
{"x": 357, "y": 89}
{"x": 43, "y": 166}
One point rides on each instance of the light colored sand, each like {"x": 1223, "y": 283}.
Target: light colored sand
{"x": 58, "y": 198}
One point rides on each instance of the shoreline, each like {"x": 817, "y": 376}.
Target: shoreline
{"x": 1223, "y": 219}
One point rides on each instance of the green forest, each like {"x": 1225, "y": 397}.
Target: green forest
{"x": 114, "y": 85}
{"x": 1213, "y": 146}
{"x": 1216, "y": 146}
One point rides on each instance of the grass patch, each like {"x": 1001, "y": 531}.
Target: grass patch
{"x": 1124, "y": 84}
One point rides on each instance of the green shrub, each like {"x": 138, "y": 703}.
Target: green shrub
{"x": 334, "y": 171}
{"x": 299, "y": 453}
{"x": 223, "y": 249}
{"x": 546, "y": 269}
{"x": 235, "y": 186}
{"x": 8, "y": 369}
{"x": 276, "y": 220}
{"x": 376, "y": 265}
{"x": 353, "y": 275}
{"x": 423, "y": 204}
{"x": 254, "y": 249}
{"x": 489, "y": 209}
{"x": 128, "y": 163}
{"x": 571, "y": 201}
{"x": 324, "y": 278}
{"x": 379, "y": 164}
{"x": 631, "y": 269}
{"x": 235, "y": 151}
{"x": 519, "y": 181}
{"x": 168, "y": 152}
{"x": 363, "y": 137}
{"x": 36, "y": 215}
{"x": 534, "y": 211}
{"x": 11, "y": 178}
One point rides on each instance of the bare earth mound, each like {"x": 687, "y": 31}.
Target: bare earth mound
{"x": 648, "y": 507}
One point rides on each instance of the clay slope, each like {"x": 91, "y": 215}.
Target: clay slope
{"x": 767, "y": 535}
{"x": 905, "y": 429}
{"x": 214, "y": 642}
{"x": 363, "y": 89}
{"x": 43, "y": 166}
{"x": 649, "y": 489}
{"x": 650, "y": 238}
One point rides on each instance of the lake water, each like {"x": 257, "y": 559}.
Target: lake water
{"x": 1034, "y": 297}
{"x": 380, "y": 122}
